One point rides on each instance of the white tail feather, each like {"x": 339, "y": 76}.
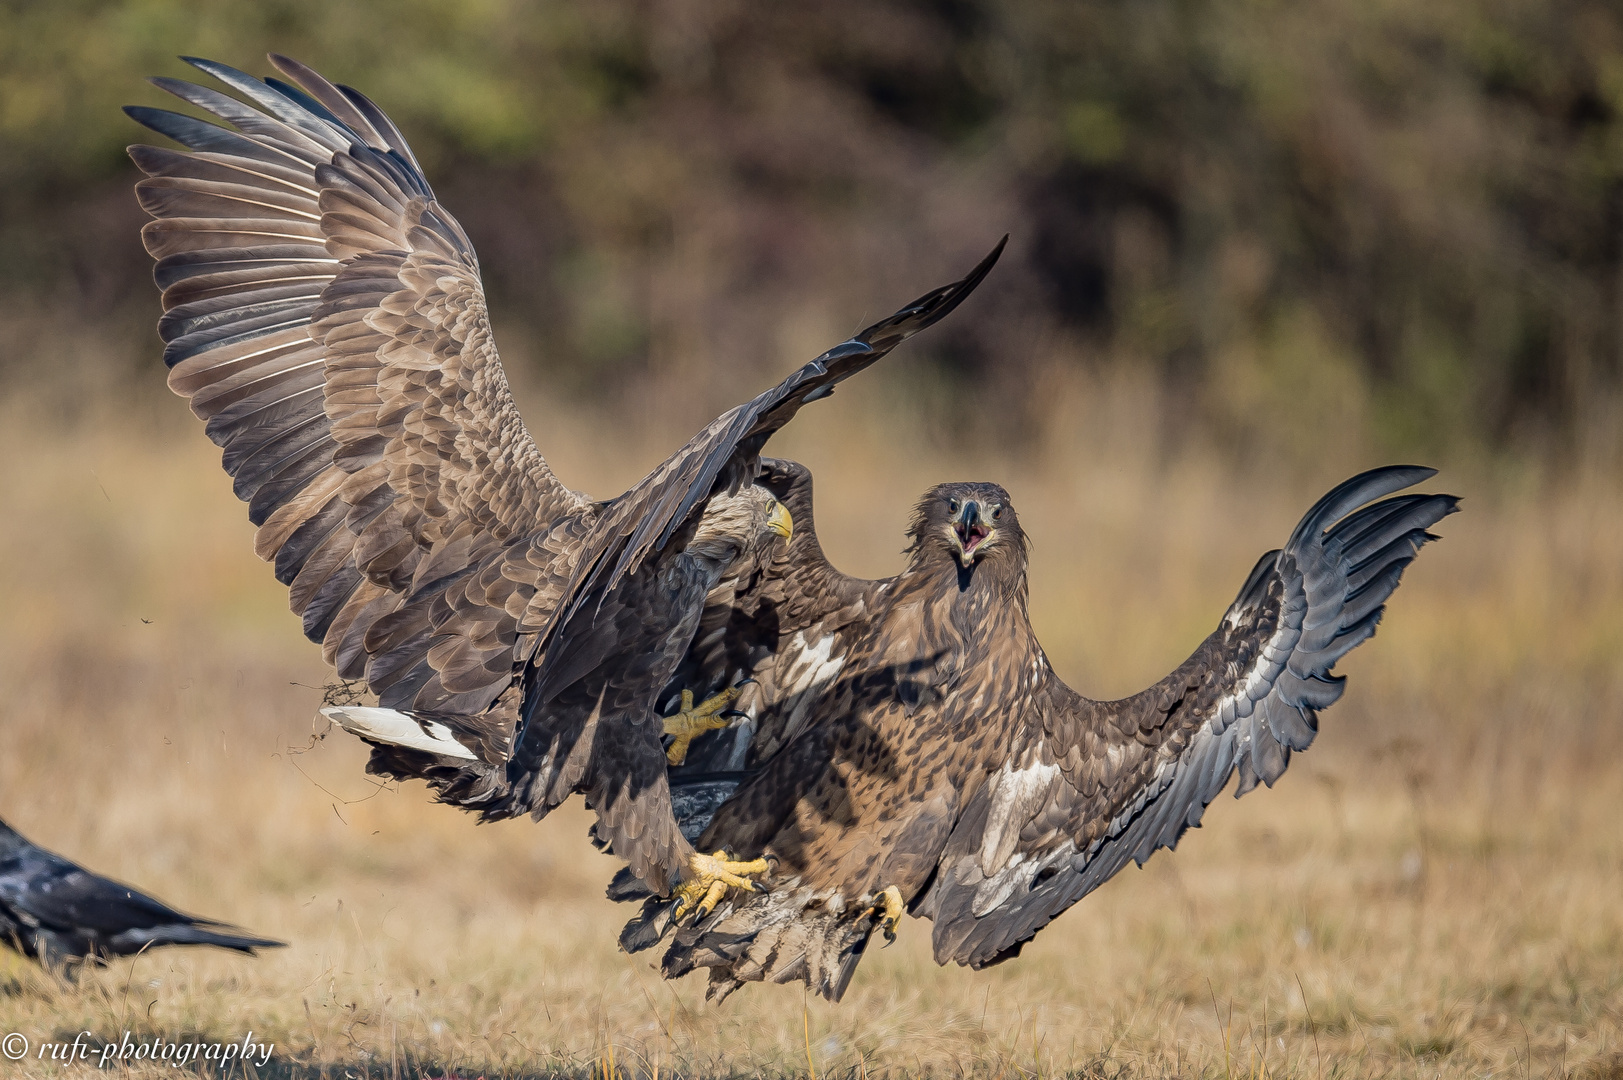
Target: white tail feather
{"x": 399, "y": 729}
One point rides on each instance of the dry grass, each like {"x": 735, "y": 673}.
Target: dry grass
{"x": 1433, "y": 890}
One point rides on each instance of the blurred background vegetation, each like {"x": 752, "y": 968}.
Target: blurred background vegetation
{"x": 1397, "y": 222}
{"x": 1255, "y": 246}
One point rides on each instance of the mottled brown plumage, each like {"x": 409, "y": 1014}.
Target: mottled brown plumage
{"x": 324, "y": 315}
{"x": 936, "y": 751}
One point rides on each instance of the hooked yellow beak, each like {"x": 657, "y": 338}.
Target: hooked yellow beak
{"x": 780, "y": 522}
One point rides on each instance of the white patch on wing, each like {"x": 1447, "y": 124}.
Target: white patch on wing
{"x": 810, "y": 669}
{"x": 1171, "y": 779}
{"x": 399, "y": 729}
{"x": 1016, "y": 796}
{"x": 1021, "y": 872}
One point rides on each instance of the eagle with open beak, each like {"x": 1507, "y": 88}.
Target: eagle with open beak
{"x": 972, "y": 528}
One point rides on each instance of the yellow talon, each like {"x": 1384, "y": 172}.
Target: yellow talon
{"x": 708, "y": 879}
{"x": 712, "y": 897}
{"x": 889, "y": 907}
{"x": 688, "y": 723}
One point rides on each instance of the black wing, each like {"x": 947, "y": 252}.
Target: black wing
{"x": 74, "y": 911}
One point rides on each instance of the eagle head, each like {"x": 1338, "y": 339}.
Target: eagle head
{"x": 740, "y": 524}
{"x": 970, "y": 523}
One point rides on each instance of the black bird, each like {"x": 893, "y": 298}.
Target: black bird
{"x": 61, "y": 914}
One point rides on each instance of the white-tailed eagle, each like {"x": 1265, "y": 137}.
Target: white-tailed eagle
{"x": 904, "y": 745}
{"x": 324, "y": 315}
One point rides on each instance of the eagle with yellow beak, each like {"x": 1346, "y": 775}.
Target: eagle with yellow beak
{"x": 325, "y": 318}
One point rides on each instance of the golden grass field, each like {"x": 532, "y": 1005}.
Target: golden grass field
{"x": 1435, "y": 889}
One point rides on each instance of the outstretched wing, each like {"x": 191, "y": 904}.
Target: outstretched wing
{"x": 726, "y": 452}
{"x": 1090, "y": 785}
{"x": 724, "y": 456}
{"x": 324, "y": 316}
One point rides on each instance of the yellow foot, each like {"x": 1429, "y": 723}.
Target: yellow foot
{"x": 708, "y": 879}
{"x": 689, "y": 723}
{"x": 890, "y": 909}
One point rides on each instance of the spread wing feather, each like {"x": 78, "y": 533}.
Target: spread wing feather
{"x": 1090, "y": 786}
{"x": 649, "y": 514}
{"x": 725, "y": 455}
{"x": 325, "y": 317}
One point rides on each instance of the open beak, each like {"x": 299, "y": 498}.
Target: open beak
{"x": 780, "y": 522}
{"x": 971, "y": 529}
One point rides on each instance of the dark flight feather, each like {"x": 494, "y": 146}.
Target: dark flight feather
{"x": 325, "y": 317}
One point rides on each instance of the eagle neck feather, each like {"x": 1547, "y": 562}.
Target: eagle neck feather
{"x": 999, "y": 579}
{"x": 983, "y": 626}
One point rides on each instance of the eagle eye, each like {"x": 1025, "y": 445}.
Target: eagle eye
{"x": 997, "y": 513}
{"x": 952, "y": 506}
